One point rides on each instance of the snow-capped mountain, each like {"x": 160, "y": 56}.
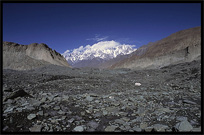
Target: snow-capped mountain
{"x": 104, "y": 50}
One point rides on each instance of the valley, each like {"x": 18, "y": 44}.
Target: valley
{"x": 61, "y": 99}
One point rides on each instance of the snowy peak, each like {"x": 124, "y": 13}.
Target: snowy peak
{"x": 104, "y": 50}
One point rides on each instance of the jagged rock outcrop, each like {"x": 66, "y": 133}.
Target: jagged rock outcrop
{"x": 182, "y": 46}
{"x": 23, "y": 57}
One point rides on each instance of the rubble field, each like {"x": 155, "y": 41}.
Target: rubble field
{"x": 61, "y": 99}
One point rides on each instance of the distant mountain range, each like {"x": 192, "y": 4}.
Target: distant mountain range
{"x": 179, "y": 47}
{"x": 182, "y": 46}
{"x": 96, "y": 55}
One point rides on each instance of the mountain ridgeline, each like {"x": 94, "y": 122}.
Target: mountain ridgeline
{"x": 180, "y": 47}
{"x": 25, "y": 57}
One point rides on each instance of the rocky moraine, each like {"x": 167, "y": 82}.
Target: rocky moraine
{"x": 61, "y": 99}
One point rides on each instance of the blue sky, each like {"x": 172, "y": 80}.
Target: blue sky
{"x": 65, "y": 26}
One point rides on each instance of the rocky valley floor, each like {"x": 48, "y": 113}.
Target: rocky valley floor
{"x": 60, "y": 99}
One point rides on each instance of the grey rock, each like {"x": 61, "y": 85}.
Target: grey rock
{"x": 40, "y": 113}
{"x": 5, "y": 128}
{"x": 184, "y": 126}
{"x": 189, "y": 102}
{"x": 61, "y": 112}
{"x": 35, "y": 102}
{"x": 31, "y": 116}
{"x": 78, "y": 129}
{"x": 9, "y": 109}
{"x": 141, "y": 111}
{"x": 56, "y": 108}
{"x": 119, "y": 121}
{"x": 36, "y": 128}
{"x": 110, "y": 128}
{"x": 93, "y": 124}
{"x": 160, "y": 127}
{"x": 196, "y": 129}
{"x": 137, "y": 129}
{"x": 19, "y": 109}
{"x": 71, "y": 120}
{"x": 126, "y": 119}
{"x": 148, "y": 129}
{"x": 181, "y": 118}
{"x": 143, "y": 125}
{"x": 88, "y": 98}
{"x": 105, "y": 112}
{"x": 30, "y": 108}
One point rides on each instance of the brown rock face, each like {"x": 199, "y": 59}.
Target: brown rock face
{"x": 182, "y": 46}
{"x": 24, "y": 57}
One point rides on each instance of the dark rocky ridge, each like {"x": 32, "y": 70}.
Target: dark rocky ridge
{"x": 23, "y": 57}
{"x": 180, "y": 47}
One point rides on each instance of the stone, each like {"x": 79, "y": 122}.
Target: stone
{"x": 93, "y": 124}
{"x": 61, "y": 112}
{"x": 143, "y": 125}
{"x": 71, "y": 120}
{"x": 189, "y": 102}
{"x": 9, "y": 101}
{"x": 97, "y": 101}
{"x": 148, "y": 129}
{"x": 9, "y": 109}
{"x": 160, "y": 127}
{"x": 137, "y": 129}
{"x": 126, "y": 119}
{"x": 105, "y": 112}
{"x": 196, "y": 129}
{"x": 56, "y": 108}
{"x": 63, "y": 117}
{"x": 110, "y": 128}
{"x": 43, "y": 99}
{"x": 141, "y": 111}
{"x": 88, "y": 98}
{"x": 35, "y": 102}
{"x": 112, "y": 109}
{"x": 31, "y": 116}
{"x": 138, "y": 84}
{"x": 5, "y": 128}
{"x": 165, "y": 109}
{"x": 40, "y": 113}
{"x": 19, "y": 109}
{"x": 181, "y": 118}
{"x": 119, "y": 121}
{"x": 184, "y": 126}
{"x": 36, "y": 128}
{"x": 30, "y": 108}
{"x": 78, "y": 129}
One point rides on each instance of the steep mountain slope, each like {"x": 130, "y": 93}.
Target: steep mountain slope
{"x": 182, "y": 46}
{"x": 22, "y": 57}
{"x": 95, "y": 55}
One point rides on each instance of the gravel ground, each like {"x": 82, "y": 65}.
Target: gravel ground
{"x": 60, "y": 99}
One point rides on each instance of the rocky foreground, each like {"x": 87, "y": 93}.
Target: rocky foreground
{"x": 55, "y": 98}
